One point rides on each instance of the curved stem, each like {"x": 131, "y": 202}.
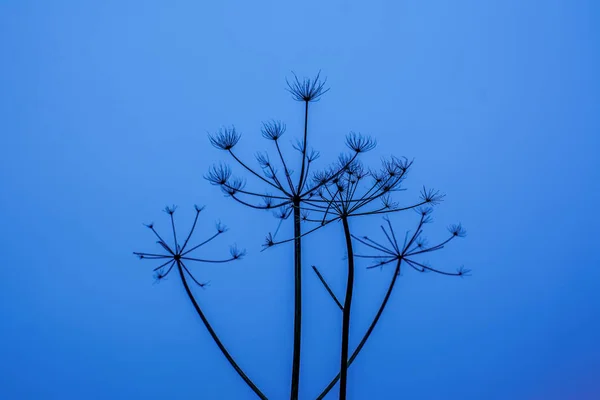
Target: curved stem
{"x": 216, "y": 338}
{"x": 369, "y": 331}
{"x": 346, "y": 315}
{"x": 297, "y": 301}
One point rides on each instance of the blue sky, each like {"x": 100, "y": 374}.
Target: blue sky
{"x": 104, "y": 114}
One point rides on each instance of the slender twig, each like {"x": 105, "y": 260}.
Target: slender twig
{"x": 304, "y": 147}
{"x": 328, "y": 288}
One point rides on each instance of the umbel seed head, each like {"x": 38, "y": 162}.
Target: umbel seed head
{"x": 308, "y": 89}
{"x": 218, "y": 174}
{"x": 359, "y": 143}
{"x": 225, "y": 139}
{"x": 273, "y": 130}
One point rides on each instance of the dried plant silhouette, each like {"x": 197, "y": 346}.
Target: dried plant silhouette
{"x": 343, "y": 200}
{"x": 314, "y": 199}
{"x": 177, "y": 256}
{"x": 291, "y": 195}
{"x": 412, "y": 247}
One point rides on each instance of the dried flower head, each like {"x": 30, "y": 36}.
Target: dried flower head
{"x": 457, "y": 230}
{"x": 307, "y": 90}
{"x": 218, "y": 174}
{"x": 269, "y": 241}
{"x": 177, "y": 254}
{"x": 220, "y": 227}
{"x": 236, "y": 253}
{"x": 170, "y": 210}
{"x": 360, "y": 143}
{"x": 225, "y": 139}
{"x": 431, "y": 196}
{"x": 273, "y": 130}
{"x": 408, "y": 251}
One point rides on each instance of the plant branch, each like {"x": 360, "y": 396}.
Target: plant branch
{"x": 328, "y": 288}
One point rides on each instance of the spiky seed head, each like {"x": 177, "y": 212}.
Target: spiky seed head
{"x": 268, "y": 201}
{"x": 307, "y": 90}
{"x": 312, "y": 155}
{"x": 283, "y": 212}
{"x": 321, "y": 177}
{"x": 269, "y": 241}
{"x": 360, "y": 143}
{"x": 305, "y": 215}
{"x": 377, "y": 176}
{"x": 198, "y": 208}
{"x": 457, "y": 230}
{"x": 421, "y": 242}
{"x": 220, "y": 227}
{"x": 273, "y": 130}
{"x": 431, "y": 196}
{"x": 159, "y": 275}
{"x": 170, "y": 210}
{"x": 225, "y": 139}
{"x": 396, "y": 167}
{"x": 402, "y": 163}
{"x": 388, "y": 202}
{"x": 344, "y": 162}
{"x": 263, "y": 160}
{"x": 218, "y": 174}
{"x": 299, "y": 146}
{"x": 236, "y": 253}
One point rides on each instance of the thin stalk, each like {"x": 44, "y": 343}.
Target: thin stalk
{"x": 328, "y": 288}
{"x": 369, "y": 331}
{"x": 216, "y": 338}
{"x": 297, "y": 300}
{"x": 298, "y": 270}
{"x": 300, "y": 184}
{"x": 346, "y": 315}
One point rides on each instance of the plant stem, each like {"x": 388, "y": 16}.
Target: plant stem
{"x": 297, "y": 301}
{"x": 298, "y": 268}
{"x": 216, "y": 338}
{"x": 302, "y": 177}
{"x": 328, "y": 288}
{"x": 368, "y": 333}
{"x": 346, "y": 314}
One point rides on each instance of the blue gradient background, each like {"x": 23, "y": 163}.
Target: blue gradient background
{"x": 104, "y": 113}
